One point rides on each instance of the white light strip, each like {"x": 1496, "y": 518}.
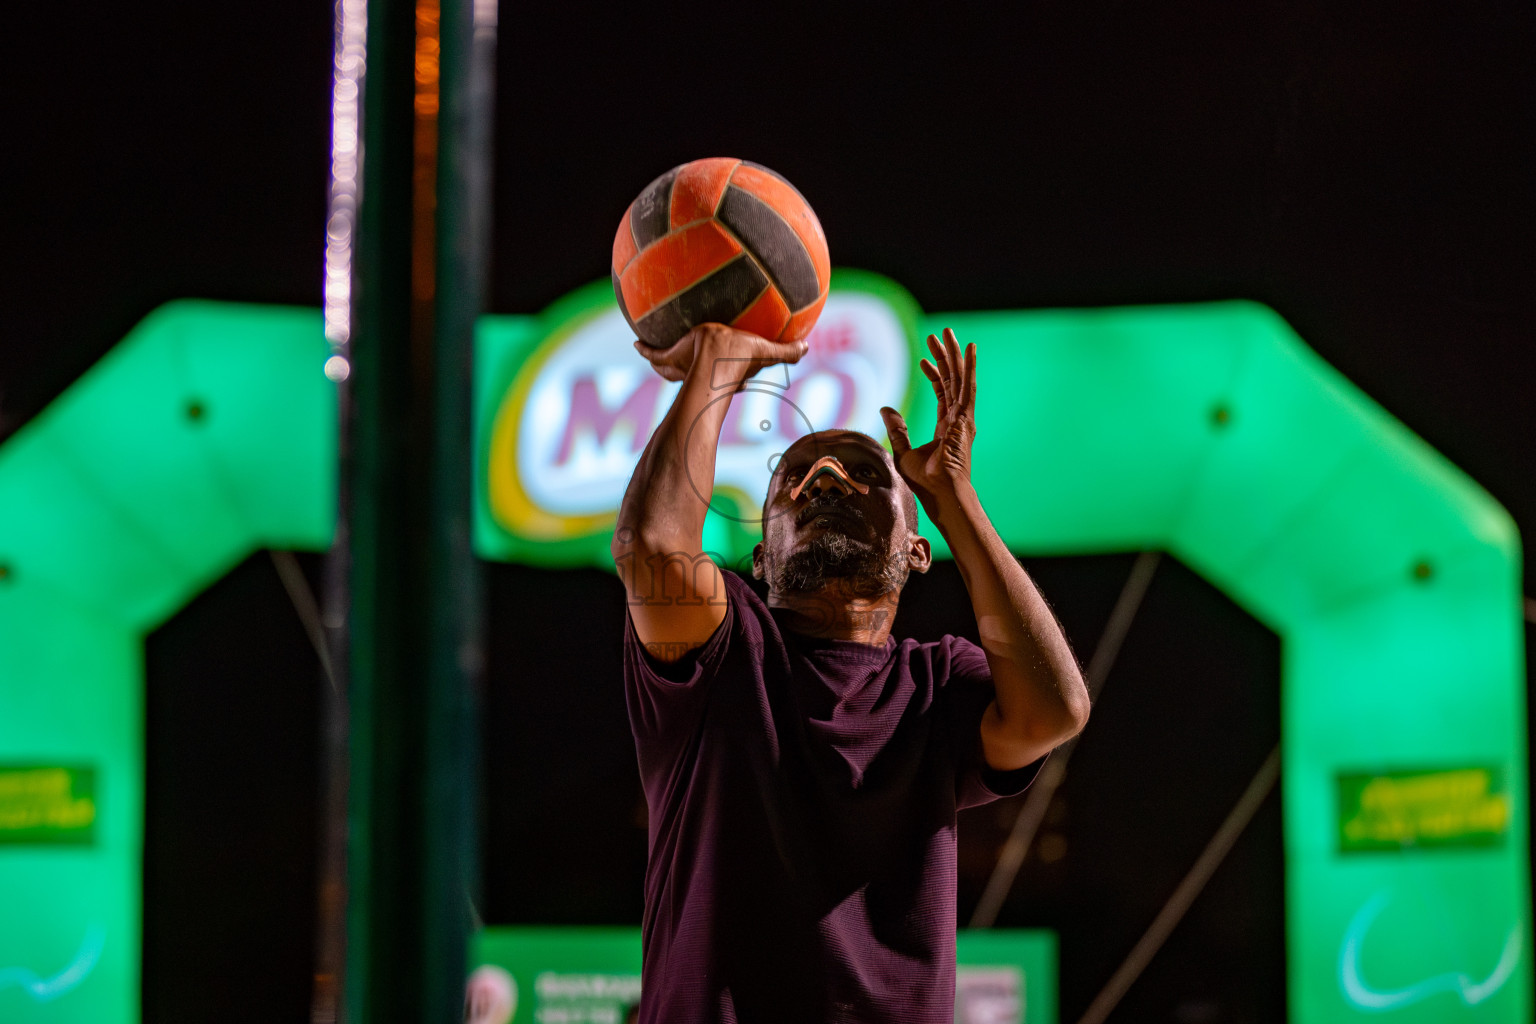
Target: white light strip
{"x": 346, "y": 180}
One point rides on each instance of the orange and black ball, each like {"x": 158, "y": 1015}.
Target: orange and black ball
{"x": 720, "y": 241}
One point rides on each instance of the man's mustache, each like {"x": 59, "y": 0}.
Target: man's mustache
{"x": 820, "y": 504}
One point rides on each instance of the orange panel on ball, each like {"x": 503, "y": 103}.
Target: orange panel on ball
{"x": 624, "y": 243}
{"x": 672, "y": 263}
{"x": 801, "y": 323}
{"x": 766, "y": 317}
{"x": 797, "y": 213}
{"x": 697, "y": 189}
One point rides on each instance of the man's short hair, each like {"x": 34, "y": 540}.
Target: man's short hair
{"x": 908, "y": 499}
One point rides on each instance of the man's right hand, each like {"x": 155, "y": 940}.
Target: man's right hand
{"x": 733, "y": 356}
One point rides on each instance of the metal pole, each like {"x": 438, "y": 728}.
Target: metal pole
{"x": 1054, "y": 771}
{"x": 461, "y": 245}
{"x": 1184, "y": 896}
{"x": 415, "y": 601}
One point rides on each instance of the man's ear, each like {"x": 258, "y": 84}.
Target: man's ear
{"x": 919, "y": 553}
{"x": 757, "y": 560}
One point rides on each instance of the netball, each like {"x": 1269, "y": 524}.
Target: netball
{"x": 720, "y": 241}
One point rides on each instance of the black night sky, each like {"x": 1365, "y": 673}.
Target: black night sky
{"x": 1364, "y": 169}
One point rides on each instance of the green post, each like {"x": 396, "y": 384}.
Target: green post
{"x": 463, "y": 200}
{"x": 415, "y": 602}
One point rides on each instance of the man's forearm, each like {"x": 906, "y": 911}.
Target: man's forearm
{"x": 1040, "y": 690}
{"x": 664, "y": 500}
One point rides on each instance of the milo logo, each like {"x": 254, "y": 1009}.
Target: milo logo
{"x": 573, "y": 423}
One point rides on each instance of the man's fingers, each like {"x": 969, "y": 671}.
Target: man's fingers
{"x": 656, "y": 357}
{"x": 952, "y": 355}
{"x": 947, "y": 357}
{"x": 896, "y": 430}
{"x": 969, "y": 403}
{"x": 956, "y": 379}
{"x": 938, "y": 385}
{"x": 940, "y": 357}
{"x": 653, "y": 354}
{"x": 685, "y": 348}
{"x": 772, "y": 352}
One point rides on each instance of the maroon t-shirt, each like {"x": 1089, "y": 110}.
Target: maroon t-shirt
{"x": 802, "y": 798}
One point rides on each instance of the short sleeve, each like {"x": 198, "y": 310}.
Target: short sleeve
{"x": 692, "y": 668}
{"x": 968, "y": 691}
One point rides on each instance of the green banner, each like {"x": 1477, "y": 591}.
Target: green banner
{"x": 47, "y": 804}
{"x": 1403, "y": 810}
{"x": 592, "y": 975}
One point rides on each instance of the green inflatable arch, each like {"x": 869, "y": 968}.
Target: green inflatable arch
{"x": 208, "y": 433}
{"x": 1207, "y": 431}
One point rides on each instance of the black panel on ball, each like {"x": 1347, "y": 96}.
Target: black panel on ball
{"x": 618, "y": 294}
{"x": 662, "y": 325}
{"x": 719, "y": 298}
{"x": 770, "y": 238}
{"x": 650, "y": 217}
{"x": 724, "y": 295}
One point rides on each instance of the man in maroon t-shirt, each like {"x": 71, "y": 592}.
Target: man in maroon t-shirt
{"x": 802, "y": 767}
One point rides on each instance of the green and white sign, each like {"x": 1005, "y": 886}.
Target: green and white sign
{"x": 565, "y": 408}
{"x": 592, "y": 975}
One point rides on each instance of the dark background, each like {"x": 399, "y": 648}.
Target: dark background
{"x": 1364, "y": 169}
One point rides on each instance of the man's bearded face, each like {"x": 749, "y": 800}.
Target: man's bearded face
{"x": 871, "y": 569}
{"x": 845, "y": 524}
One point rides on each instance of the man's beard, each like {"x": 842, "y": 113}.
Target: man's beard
{"x": 833, "y": 557}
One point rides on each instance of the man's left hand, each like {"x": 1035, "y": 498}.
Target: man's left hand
{"x": 939, "y": 469}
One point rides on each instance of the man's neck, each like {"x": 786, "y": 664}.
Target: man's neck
{"x": 835, "y": 613}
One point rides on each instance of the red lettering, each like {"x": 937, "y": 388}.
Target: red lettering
{"x": 587, "y": 412}
{"x": 830, "y": 336}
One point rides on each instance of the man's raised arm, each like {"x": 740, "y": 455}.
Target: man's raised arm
{"x": 676, "y": 594}
{"x": 1042, "y": 699}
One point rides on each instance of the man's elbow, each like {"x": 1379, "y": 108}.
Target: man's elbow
{"x": 1075, "y": 716}
{"x": 1053, "y": 730}
{"x": 1015, "y": 744}
{"x": 629, "y": 545}
{"x": 1063, "y": 721}
{"x": 650, "y": 537}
